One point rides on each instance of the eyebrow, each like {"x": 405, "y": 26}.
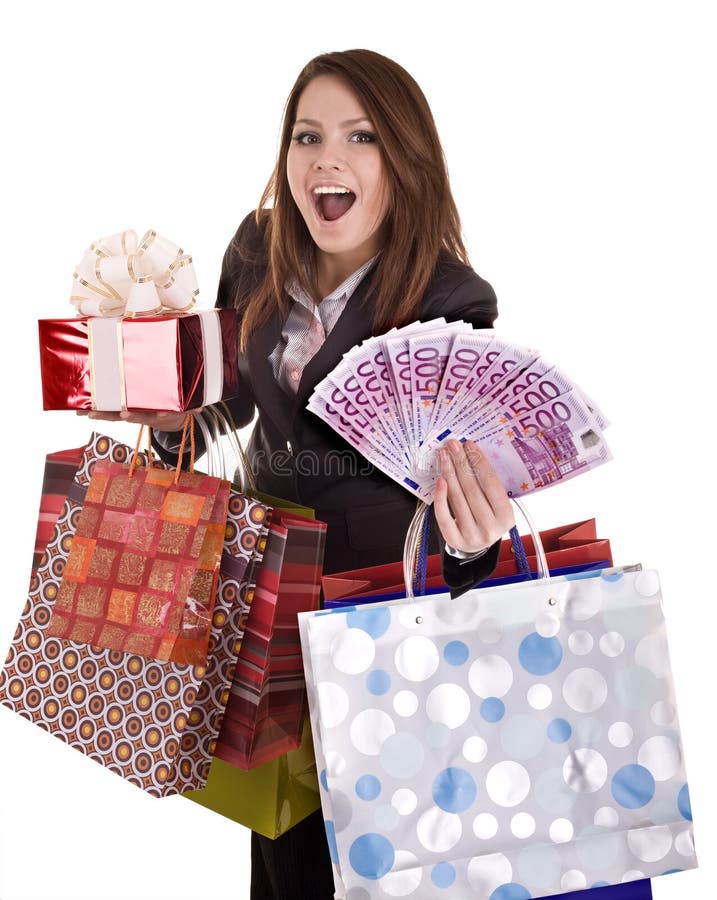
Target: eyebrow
{"x": 347, "y": 123}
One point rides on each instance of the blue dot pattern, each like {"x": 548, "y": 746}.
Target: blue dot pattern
{"x": 371, "y": 856}
{"x": 511, "y": 891}
{"x": 331, "y": 838}
{"x": 492, "y": 709}
{"x": 456, "y": 653}
{"x": 683, "y": 803}
{"x": 454, "y": 790}
{"x": 486, "y": 739}
{"x": 443, "y": 875}
{"x": 633, "y": 786}
{"x": 559, "y": 731}
{"x": 579, "y": 576}
{"x": 372, "y": 621}
{"x": 612, "y": 576}
{"x": 330, "y": 612}
{"x": 368, "y": 787}
{"x": 540, "y": 655}
{"x": 378, "y": 682}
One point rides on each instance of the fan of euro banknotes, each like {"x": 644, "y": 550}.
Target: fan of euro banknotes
{"x": 398, "y": 398}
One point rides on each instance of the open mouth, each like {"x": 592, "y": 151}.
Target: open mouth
{"x": 333, "y": 202}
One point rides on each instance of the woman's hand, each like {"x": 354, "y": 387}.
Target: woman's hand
{"x": 158, "y": 421}
{"x": 481, "y": 511}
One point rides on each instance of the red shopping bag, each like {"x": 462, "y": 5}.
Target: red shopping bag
{"x": 60, "y": 468}
{"x": 267, "y": 704}
{"x": 565, "y": 545}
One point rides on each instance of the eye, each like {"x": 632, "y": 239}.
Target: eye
{"x": 306, "y": 137}
{"x": 363, "y": 137}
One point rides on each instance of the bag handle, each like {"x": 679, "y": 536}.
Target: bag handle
{"x": 225, "y": 418}
{"x": 187, "y": 430}
{"x": 214, "y": 468}
{"x": 215, "y": 422}
{"x": 521, "y": 556}
{"x": 415, "y": 549}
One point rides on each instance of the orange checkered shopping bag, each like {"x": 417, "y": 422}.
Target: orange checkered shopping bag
{"x": 153, "y": 721}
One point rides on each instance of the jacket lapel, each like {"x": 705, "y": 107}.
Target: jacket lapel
{"x": 267, "y": 393}
{"x": 352, "y": 327}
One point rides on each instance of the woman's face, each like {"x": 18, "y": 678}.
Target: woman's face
{"x": 335, "y": 171}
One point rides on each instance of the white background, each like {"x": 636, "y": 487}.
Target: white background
{"x": 581, "y": 145}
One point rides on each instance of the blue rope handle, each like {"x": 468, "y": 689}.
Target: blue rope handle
{"x": 521, "y": 558}
{"x": 419, "y": 578}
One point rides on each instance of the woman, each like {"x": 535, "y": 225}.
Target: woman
{"x": 363, "y": 234}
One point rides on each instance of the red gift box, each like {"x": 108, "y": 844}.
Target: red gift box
{"x": 163, "y": 362}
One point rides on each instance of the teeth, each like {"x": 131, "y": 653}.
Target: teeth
{"x": 331, "y": 189}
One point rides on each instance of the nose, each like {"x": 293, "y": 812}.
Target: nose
{"x": 329, "y": 156}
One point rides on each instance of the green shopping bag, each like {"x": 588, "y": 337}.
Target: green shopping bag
{"x": 271, "y": 798}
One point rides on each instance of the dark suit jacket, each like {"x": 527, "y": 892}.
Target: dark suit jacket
{"x": 297, "y": 456}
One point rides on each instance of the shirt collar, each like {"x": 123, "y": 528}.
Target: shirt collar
{"x": 347, "y": 287}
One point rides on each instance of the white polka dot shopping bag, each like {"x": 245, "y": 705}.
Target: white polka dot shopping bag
{"x": 516, "y": 742}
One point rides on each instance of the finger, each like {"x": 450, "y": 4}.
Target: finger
{"x": 493, "y": 489}
{"x": 103, "y": 416}
{"x": 475, "y": 525}
{"x": 160, "y": 421}
{"x": 138, "y": 418}
{"x": 479, "y": 524}
{"x": 444, "y": 519}
{"x": 168, "y": 421}
{"x": 465, "y": 493}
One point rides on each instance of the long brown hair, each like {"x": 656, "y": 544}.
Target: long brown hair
{"x": 421, "y": 218}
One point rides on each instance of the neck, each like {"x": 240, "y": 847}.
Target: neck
{"x": 333, "y": 269}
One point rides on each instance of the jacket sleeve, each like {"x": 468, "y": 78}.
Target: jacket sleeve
{"x": 472, "y": 300}
{"x": 461, "y": 576}
{"x": 238, "y": 273}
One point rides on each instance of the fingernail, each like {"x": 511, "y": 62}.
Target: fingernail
{"x": 454, "y": 447}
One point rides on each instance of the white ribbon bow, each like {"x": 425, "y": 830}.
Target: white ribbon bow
{"x": 121, "y": 276}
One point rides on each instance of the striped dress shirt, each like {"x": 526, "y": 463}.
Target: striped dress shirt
{"x": 308, "y": 325}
